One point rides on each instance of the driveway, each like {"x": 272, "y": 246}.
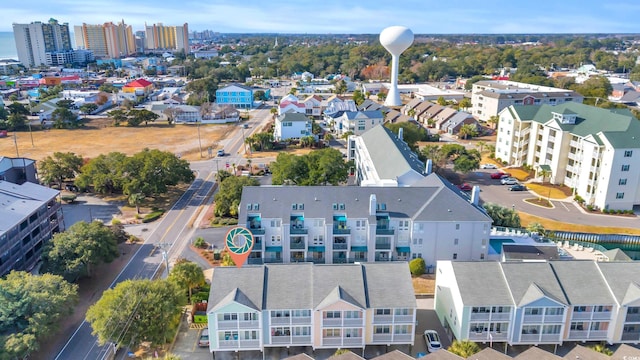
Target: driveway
{"x": 564, "y": 210}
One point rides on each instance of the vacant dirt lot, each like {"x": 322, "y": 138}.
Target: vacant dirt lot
{"x": 98, "y": 136}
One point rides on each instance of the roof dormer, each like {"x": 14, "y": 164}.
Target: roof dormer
{"x": 565, "y": 117}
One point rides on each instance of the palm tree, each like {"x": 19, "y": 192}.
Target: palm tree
{"x": 494, "y": 121}
{"x": 544, "y": 173}
{"x": 602, "y": 348}
{"x": 249, "y": 165}
{"x": 481, "y": 145}
{"x": 411, "y": 113}
{"x": 134, "y": 200}
{"x": 464, "y": 348}
{"x": 468, "y": 130}
{"x": 187, "y": 274}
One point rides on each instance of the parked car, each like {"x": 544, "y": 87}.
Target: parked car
{"x": 432, "y": 339}
{"x": 246, "y": 126}
{"x": 517, "y": 187}
{"x": 71, "y": 187}
{"x": 221, "y": 152}
{"x": 465, "y": 187}
{"x": 499, "y": 175}
{"x": 509, "y": 181}
{"x": 488, "y": 166}
{"x": 204, "y": 338}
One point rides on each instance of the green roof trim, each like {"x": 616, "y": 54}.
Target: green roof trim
{"x": 544, "y": 167}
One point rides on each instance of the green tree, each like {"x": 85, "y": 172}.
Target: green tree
{"x": 187, "y": 275}
{"x": 536, "y": 227}
{"x": 150, "y": 172}
{"x": 88, "y": 108}
{"x": 103, "y": 173}
{"x": 502, "y": 216}
{"x": 493, "y": 120}
{"x": 137, "y": 117}
{"x": 229, "y": 194}
{"x": 340, "y": 87}
{"x": 411, "y": 133}
{"x": 118, "y": 116}
{"x": 441, "y": 101}
{"x": 544, "y": 173}
{"x": 134, "y": 199}
{"x": 417, "y": 266}
{"x": 602, "y": 348}
{"x": 464, "y": 348}
{"x": 320, "y": 167}
{"x": 136, "y": 311}
{"x": 32, "y": 308}
{"x": 468, "y": 131}
{"x": 465, "y": 104}
{"x": 64, "y": 118}
{"x": 65, "y": 103}
{"x": 17, "y": 118}
{"x": 358, "y": 97}
{"x": 73, "y": 253}
{"x": 596, "y": 87}
{"x": 260, "y": 141}
{"x": 59, "y": 167}
{"x": 259, "y": 95}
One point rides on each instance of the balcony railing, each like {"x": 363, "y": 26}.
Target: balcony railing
{"x": 581, "y": 315}
{"x": 298, "y": 340}
{"x": 484, "y": 336}
{"x": 227, "y": 324}
{"x": 587, "y": 335}
{"x": 382, "y": 337}
{"x": 357, "y": 322}
{"x": 341, "y": 230}
{"x": 249, "y": 324}
{"x": 500, "y": 316}
{"x": 632, "y": 318}
{"x": 631, "y": 336}
{"x": 550, "y": 338}
{"x": 532, "y": 319}
{"x": 239, "y": 344}
{"x": 298, "y": 230}
{"x": 257, "y": 230}
{"x": 272, "y": 261}
{"x": 301, "y": 320}
{"x": 331, "y": 341}
{"x": 401, "y": 337}
{"x": 283, "y": 320}
{"x": 340, "y": 246}
{"x": 553, "y": 318}
{"x": 530, "y": 337}
{"x": 403, "y": 319}
{"x": 331, "y": 322}
{"x": 602, "y": 315}
{"x": 479, "y": 316}
{"x": 382, "y": 319}
{"x": 383, "y": 246}
{"x": 385, "y": 231}
{"x": 352, "y": 341}
{"x": 297, "y": 244}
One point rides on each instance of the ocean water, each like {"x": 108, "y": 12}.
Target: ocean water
{"x": 7, "y": 46}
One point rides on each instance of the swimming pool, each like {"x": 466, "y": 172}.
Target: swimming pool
{"x": 495, "y": 245}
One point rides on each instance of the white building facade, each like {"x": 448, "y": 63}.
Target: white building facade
{"x": 594, "y": 151}
{"x": 292, "y": 126}
{"x": 489, "y": 97}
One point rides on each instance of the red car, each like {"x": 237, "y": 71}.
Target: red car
{"x": 499, "y": 175}
{"x": 465, "y": 187}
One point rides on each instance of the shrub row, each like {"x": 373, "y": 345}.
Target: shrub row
{"x": 155, "y": 215}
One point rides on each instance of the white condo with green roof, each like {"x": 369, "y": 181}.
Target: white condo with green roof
{"x": 592, "y": 150}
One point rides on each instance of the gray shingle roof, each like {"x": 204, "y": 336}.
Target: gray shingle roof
{"x": 622, "y": 279}
{"x": 481, "y": 284}
{"x": 535, "y": 353}
{"x": 582, "y": 282}
{"x": 419, "y": 203}
{"x": 626, "y": 352}
{"x": 582, "y": 352}
{"x": 616, "y": 255}
{"x": 489, "y": 354}
{"x": 309, "y": 286}
{"x": 525, "y": 278}
{"x": 390, "y": 156}
{"x": 293, "y": 117}
{"x": 442, "y": 355}
{"x": 393, "y": 355}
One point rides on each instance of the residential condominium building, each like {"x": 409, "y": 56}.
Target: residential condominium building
{"x": 432, "y": 220}
{"x": 356, "y": 122}
{"x": 161, "y": 37}
{"x": 108, "y": 40}
{"x": 592, "y": 150}
{"x": 532, "y": 303}
{"x": 236, "y": 95}
{"x": 292, "y": 125}
{"x": 307, "y": 305}
{"x": 29, "y": 216}
{"x": 489, "y": 97}
{"x": 38, "y": 43}
{"x": 383, "y": 159}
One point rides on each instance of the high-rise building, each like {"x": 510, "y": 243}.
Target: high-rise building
{"x": 37, "y": 42}
{"x": 108, "y": 40}
{"x": 160, "y": 37}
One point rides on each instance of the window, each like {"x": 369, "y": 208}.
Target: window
{"x": 533, "y": 311}
{"x": 383, "y": 311}
{"x": 455, "y": 256}
{"x": 275, "y": 223}
{"x": 352, "y": 315}
{"x": 619, "y": 195}
{"x": 301, "y": 331}
{"x": 551, "y": 329}
{"x": 331, "y": 333}
{"x": 230, "y": 316}
{"x": 457, "y": 226}
{"x": 401, "y": 329}
{"x": 625, "y": 167}
{"x": 628, "y": 153}
{"x": 622, "y": 182}
{"x": 249, "y": 316}
{"x": 381, "y": 330}
{"x": 332, "y": 314}
{"x": 555, "y": 311}
{"x": 455, "y": 241}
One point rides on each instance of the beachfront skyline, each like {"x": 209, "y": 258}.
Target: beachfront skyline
{"x": 335, "y": 16}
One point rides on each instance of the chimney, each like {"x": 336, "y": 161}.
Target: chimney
{"x": 372, "y": 205}
{"x": 475, "y": 195}
{"x": 400, "y": 134}
{"x": 428, "y": 167}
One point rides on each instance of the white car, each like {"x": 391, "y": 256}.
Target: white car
{"x": 203, "y": 341}
{"x": 433, "y": 340}
{"x": 509, "y": 181}
{"x": 488, "y": 166}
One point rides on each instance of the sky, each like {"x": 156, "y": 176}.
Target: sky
{"x": 341, "y": 16}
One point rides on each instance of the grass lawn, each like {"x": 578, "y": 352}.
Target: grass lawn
{"x": 526, "y": 219}
{"x": 550, "y": 191}
{"x": 425, "y": 284}
{"x": 98, "y": 136}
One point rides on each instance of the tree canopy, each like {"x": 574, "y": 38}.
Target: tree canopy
{"x": 411, "y": 133}
{"x": 59, "y": 167}
{"x": 136, "y": 311}
{"x": 230, "y": 193}
{"x": 319, "y": 167}
{"x": 72, "y": 253}
{"x": 502, "y": 216}
{"x": 148, "y": 172}
{"x": 464, "y": 160}
{"x": 187, "y": 275}
{"x": 32, "y": 307}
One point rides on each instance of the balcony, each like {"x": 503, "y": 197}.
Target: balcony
{"x": 332, "y": 341}
{"x": 587, "y": 335}
{"x": 316, "y": 260}
{"x": 630, "y": 336}
{"x": 352, "y": 341}
{"x": 500, "y": 316}
{"x": 272, "y": 260}
{"x": 532, "y": 319}
{"x": 553, "y": 318}
{"x": 382, "y": 338}
{"x": 340, "y": 246}
{"x": 484, "y": 336}
{"x": 383, "y": 245}
{"x": 550, "y": 338}
{"x": 255, "y": 261}
{"x": 632, "y": 318}
{"x": 384, "y": 231}
{"x": 403, "y": 319}
{"x": 341, "y": 230}
{"x": 227, "y": 324}
{"x": 331, "y": 322}
{"x": 584, "y": 315}
{"x": 281, "y": 320}
{"x": 601, "y": 315}
{"x": 257, "y": 230}
{"x": 401, "y": 337}
{"x": 297, "y": 244}
{"x": 298, "y": 230}
{"x": 239, "y": 344}
{"x": 301, "y": 320}
{"x": 382, "y": 319}
{"x": 530, "y": 338}
{"x": 355, "y": 322}
{"x": 479, "y": 316}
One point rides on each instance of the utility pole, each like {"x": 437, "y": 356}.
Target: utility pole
{"x": 164, "y": 247}
{"x": 15, "y": 142}
{"x": 199, "y": 140}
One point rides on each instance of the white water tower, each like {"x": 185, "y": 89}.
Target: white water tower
{"x": 395, "y": 39}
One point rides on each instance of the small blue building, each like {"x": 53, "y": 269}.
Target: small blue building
{"x": 238, "y": 96}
